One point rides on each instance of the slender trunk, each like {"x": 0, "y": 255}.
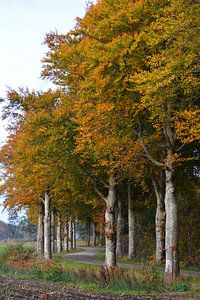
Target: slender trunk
{"x": 110, "y": 230}
{"x": 102, "y": 239}
{"x": 47, "y": 227}
{"x": 74, "y": 233}
{"x": 88, "y": 233}
{"x": 171, "y": 239}
{"x": 131, "y": 226}
{"x": 40, "y": 231}
{"x": 52, "y": 231}
{"x": 59, "y": 240}
{"x": 94, "y": 235}
{"x": 119, "y": 228}
{"x": 71, "y": 233}
{"x": 66, "y": 237}
{"x": 159, "y": 187}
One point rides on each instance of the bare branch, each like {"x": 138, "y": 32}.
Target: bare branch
{"x": 181, "y": 147}
{"x": 150, "y": 157}
{"x": 99, "y": 193}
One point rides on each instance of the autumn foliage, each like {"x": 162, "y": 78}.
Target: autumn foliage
{"x": 126, "y": 108}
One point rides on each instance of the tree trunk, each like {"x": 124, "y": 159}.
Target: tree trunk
{"x": 159, "y": 187}
{"x": 94, "y": 235}
{"x": 74, "y": 233}
{"x": 53, "y": 231}
{"x": 66, "y": 237}
{"x": 40, "y": 231}
{"x": 119, "y": 228}
{"x": 171, "y": 239}
{"x": 47, "y": 227}
{"x": 88, "y": 233}
{"x": 59, "y": 240}
{"x": 71, "y": 233}
{"x": 110, "y": 230}
{"x": 131, "y": 226}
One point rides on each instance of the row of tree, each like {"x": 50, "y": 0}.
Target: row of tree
{"x": 123, "y": 121}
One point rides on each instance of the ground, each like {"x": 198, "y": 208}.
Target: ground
{"x": 18, "y": 289}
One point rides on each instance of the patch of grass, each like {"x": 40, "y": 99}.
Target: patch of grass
{"x": 148, "y": 263}
{"x": 59, "y": 256}
{"x": 3, "y": 248}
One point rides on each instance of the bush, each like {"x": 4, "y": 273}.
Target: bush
{"x": 18, "y": 254}
{"x": 48, "y": 270}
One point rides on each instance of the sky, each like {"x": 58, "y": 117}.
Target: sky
{"x": 23, "y": 25}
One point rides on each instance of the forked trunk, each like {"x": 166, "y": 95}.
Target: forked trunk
{"x": 171, "y": 238}
{"x": 59, "y": 240}
{"x": 110, "y": 230}
{"x": 40, "y": 231}
{"x": 131, "y": 226}
{"x": 159, "y": 187}
{"x": 47, "y": 227}
{"x": 119, "y": 228}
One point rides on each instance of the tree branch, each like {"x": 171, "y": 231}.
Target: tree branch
{"x": 99, "y": 193}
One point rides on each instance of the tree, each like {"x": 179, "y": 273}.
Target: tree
{"x": 168, "y": 86}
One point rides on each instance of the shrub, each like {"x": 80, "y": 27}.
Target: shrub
{"x": 18, "y": 255}
{"x": 47, "y": 270}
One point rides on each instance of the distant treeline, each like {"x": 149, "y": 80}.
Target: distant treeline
{"x": 22, "y": 231}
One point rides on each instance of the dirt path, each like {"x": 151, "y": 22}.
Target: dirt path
{"x": 89, "y": 253}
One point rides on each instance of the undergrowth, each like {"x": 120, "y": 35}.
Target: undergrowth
{"x": 19, "y": 261}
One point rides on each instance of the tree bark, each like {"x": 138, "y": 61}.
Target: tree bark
{"x": 110, "y": 229}
{"x": 71, "y": 233}
{"x": 159, "y": 187}
{"x": 88, "y": 233}
{"x": 53, "y": 231}
{"x": 119, "y": 228}
{"x": 47, "y": 227}
{"x": 74, "y": 233}
{"x": 94, "y": 235}
{"x": 171, "y": 238}
{"x": 171, "y": 231}
{"x": 66, "y": 236}
{"x": 131, "y": 226}
{"x": 40, "y": 231}
{"x": 59, "y": 240}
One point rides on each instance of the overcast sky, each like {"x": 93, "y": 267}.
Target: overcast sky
{"x": 23, "y": 24}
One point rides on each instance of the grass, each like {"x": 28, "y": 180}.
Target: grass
{"x": 90, "y": 277}
{"x": 148, "y": 263}
{"x": 2, "y": 248}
